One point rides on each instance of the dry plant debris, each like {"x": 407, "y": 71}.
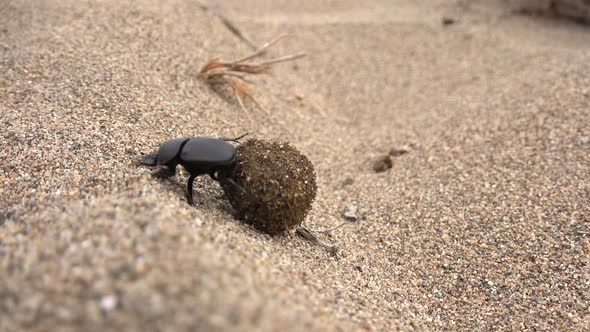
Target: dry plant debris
{"x": 310, "y": 235}
{"x": 235, "y": 73}
{"x": 228, "y": 24}
{"x": 305, "y": 100}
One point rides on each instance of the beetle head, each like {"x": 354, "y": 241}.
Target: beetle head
{"x": 150, "y": 159}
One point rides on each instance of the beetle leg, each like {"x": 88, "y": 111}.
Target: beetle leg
{"x": 164, "y": 171}
{"x": 189, "y": 186}
{"x": 250, "y": 197}
{"x": 215, "y": 176}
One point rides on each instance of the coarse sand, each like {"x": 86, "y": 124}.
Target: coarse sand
{"x": 483, "y": 225}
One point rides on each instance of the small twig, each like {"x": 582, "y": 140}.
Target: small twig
{"x": 222, "y": 120}
{"x": 260, "y": 106}
{"x": 261, "y": 50}
{"x": 283, "y": 59}
{"x": 310, "y": 236}
{"x": 328, "y": 230}
{"x": 310, "y": 103}
{"x": 238, "y": 93}
{"x": 228, "y": 24}
{"x": 236, "y": 31}
{"x": 238, "y": 75}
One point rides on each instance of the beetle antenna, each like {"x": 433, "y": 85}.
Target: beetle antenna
{"x": 237, "y": 139}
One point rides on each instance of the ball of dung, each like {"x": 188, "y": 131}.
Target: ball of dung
{"x": 278, "y": 182}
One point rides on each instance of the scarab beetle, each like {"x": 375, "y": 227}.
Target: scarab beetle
{"x": 199, "y": 156}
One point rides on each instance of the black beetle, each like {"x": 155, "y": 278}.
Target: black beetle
{"x": 199, "y": 156}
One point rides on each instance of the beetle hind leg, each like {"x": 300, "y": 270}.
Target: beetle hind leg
{"x": 253, "y": 201}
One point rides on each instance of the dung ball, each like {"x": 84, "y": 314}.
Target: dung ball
{"x": 278, "y": 178}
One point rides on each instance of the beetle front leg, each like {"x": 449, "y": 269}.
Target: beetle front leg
{"x": 189, "y": 187}
{"x": 164, "y": 171}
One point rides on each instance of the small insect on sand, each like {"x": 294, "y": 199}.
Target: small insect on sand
{"x": 234, "y": 73}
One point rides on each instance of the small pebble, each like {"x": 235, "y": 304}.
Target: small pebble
{"x": 448, "y": 21}
{"x": 382, "y": 164}
{"x": 347, "y": 182}
{"x": 108, "y": 303}
{"x": 350, "y": 213}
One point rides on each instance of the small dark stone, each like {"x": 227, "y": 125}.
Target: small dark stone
{"x": 448, "y": 21}
{"x": 358, "y": 268}
{"x": 446, "y": 268}
{"x": 347, "y": 182}
{"x": 5, "y": 215}
{"x": 382, "y": 164}
{"x": 397, "y": 152}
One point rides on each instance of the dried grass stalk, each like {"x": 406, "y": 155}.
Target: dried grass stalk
{"x": 234, "y": 73}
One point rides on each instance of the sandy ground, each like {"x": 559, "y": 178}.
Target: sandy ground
{"x": 484, "y": 224}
